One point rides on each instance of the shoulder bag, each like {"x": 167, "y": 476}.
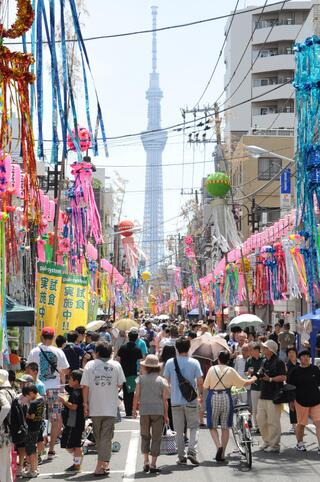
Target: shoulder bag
{"x": 186, "y": 389}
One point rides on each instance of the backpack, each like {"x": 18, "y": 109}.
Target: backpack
{"x": 15, "y": 422}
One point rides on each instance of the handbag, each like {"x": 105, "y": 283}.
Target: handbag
{"x": 286, "y": 394}
{"x": 187, "y": 390}
{"x": 168, "y": 444}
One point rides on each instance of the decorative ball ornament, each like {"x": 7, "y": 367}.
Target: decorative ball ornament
{"x": 84, "y": 139}
{"x": 145, "y": 275}
{"x": 126, "y": 228}
{"x": 218, "y": 184}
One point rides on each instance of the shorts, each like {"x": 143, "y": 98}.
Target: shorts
{"x": 40, "y": 436}
{"x": 219, "y": 409}
{"x": 303, "y": 413}
{"x": 53, "y": 403}
{"x": 71, "y": 437}
{"x": 31, "y": 443}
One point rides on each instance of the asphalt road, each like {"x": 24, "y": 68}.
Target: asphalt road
{"x": 126, "y": 465}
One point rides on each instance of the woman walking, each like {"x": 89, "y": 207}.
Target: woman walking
{"x": 219, "y": 381}
{"x": 151, "y": 397}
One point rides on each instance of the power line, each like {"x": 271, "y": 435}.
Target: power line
{"x": 160, "y": 29}
{"x": 219, "y": 56}
{"x": 255, "y": 60}
{"x": 173, "y": 164}
{"x": 244, "y": 52}
{"x": 179, "y": 125}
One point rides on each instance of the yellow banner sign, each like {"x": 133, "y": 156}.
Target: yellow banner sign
{"x": 73, "y": 306}
{"x": 61, "y": 299}
{"x": 48, "y": 288}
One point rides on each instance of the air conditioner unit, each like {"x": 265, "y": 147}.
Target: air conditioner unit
{"x": 41, "y": 168}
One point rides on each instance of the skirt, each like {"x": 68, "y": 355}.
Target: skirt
{"x": 219, "y": 409}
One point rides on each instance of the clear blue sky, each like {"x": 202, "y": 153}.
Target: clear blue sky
{"x": 121, "y": 67}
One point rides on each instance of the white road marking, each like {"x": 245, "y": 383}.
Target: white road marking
{"x": 131, "y": 462}
{"x": 80, "y": 473}
{"x": 126, "y": 431}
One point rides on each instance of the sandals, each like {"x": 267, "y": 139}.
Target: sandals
{"x": 103, "y": 472}
{"x": 146, "y": 467}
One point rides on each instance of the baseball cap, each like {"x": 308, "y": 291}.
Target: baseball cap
{"x": 25, "y": 378}
{"x": 47, "y": 330}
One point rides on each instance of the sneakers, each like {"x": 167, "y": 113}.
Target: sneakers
{"x": 263, "y": 446}
{"x": 30, "y": 475}
{"x": 270, "y": 450}
{"x": 74, "y": 468}
{"x": 51, "y": 454}
{"x": 292, "y": 430}
{"x": 182, "y": 461}
{"x": 193, "y": 459}
{"x": 301, "y": 447}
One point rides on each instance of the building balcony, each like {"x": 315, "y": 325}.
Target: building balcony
{"x": 276, "y": 121}
{"x": 274, "y": 63}
{"x": 279, "y": 33}
{"x": 284, "y": 92}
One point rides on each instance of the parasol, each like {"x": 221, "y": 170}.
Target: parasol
{"x": 163, "y": 318}
{"x": 246, "y": 320}
{"x": 95, "y": 325}
{"x": 208, "y": 346}
{"x": 125, "y": 324}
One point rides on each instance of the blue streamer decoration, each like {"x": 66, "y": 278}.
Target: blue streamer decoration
{"x": 39, "y": 71}
{"x": 307, "y": 85}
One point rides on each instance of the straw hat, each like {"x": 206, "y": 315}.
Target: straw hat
{"x": 151, "y": 361}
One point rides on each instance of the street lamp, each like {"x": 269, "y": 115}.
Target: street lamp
{"x": 256, "y": 151}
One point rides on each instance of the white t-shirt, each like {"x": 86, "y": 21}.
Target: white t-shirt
{"x": 103, "y": 379}
{"x": 53, "y": 361}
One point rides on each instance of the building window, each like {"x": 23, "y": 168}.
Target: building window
{"x": 268, "y": 167}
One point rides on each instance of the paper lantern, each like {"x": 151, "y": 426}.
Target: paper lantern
{"x": 218, "y": 184}
{"x": 145, "y": 275}
{"x": 126, "y": 228}
{"x": 84, "y": 139}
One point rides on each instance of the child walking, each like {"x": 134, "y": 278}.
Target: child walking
{"x": 73, "y": 421}
{"x": 151, "y": 395}
{"x": 34, "y": 419}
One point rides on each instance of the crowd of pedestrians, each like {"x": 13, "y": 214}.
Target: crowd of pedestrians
{"x": 85, "y": 377}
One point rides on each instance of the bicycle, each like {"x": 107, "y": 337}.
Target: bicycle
{"x": 241, "y": 428}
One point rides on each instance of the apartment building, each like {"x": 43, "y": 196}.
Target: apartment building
{"x": 268, "y": 119}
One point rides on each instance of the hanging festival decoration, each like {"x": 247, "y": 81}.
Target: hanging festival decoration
{"x": 83, "y": 135}
{"x": 15, "y": 79}
{"x": 52, "y": 27}
{"x": 224, "y": 229}
{"x": 307, "y": 87}
{"x": 218, "y": 184}
{"x": 125, "y": 228}
{"x": 145, "y": 275}
{"x": 84, "y": 216}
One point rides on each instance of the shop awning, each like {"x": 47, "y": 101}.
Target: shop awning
{"x": 19, "y": 315}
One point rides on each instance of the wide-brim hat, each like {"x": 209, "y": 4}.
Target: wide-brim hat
{"x": 151, "y": 361}
{"x": 271, "y": 345}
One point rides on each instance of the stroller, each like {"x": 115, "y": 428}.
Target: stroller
{"x": 89, "y": 443}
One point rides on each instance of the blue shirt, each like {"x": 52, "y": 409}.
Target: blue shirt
{"x": 143, "y": 348}
{"x": 41, "y": 388}
{"x": 190, "y": 369}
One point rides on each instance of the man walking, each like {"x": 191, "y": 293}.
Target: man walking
{"x": 286, "y": 338}
{"x": 272, "y": 374}
{"x": 101, "y": 380}
{"x": 182, "y": 410}
{"x": 53, "y": 366}
{"x": 128, "y": 356}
